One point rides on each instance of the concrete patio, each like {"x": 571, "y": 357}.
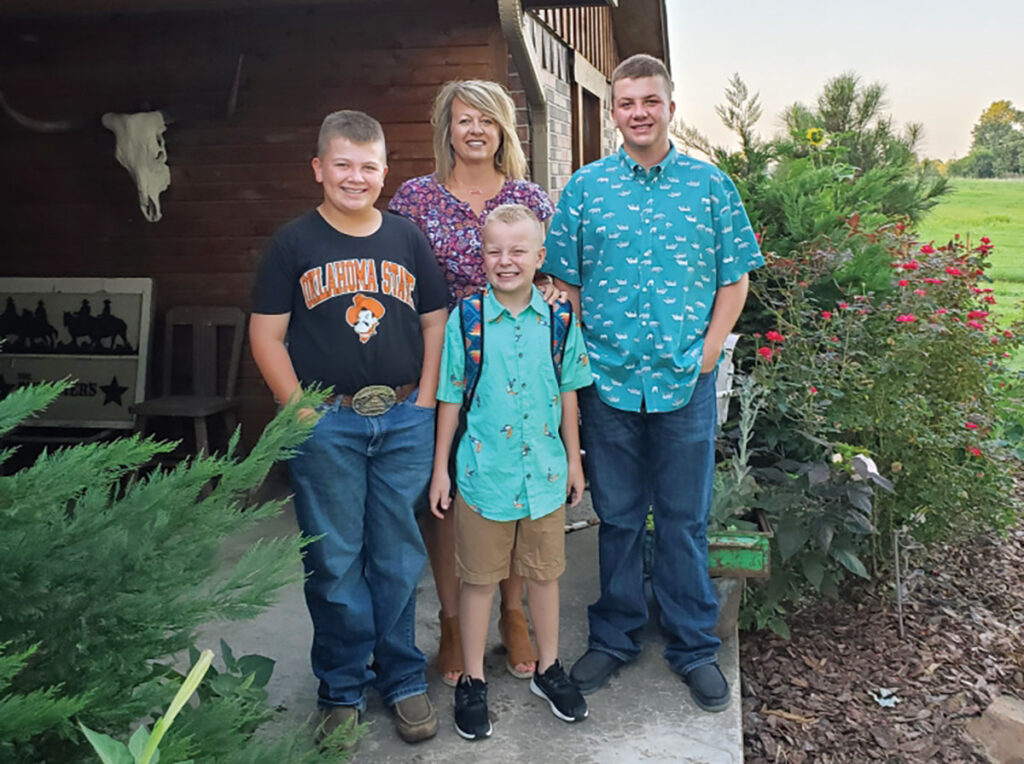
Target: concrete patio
{"x": 645, "y": 713}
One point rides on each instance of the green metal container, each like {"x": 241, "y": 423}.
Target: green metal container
{"x": 741, "y": 554}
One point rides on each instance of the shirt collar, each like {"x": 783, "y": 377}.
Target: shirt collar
{"x": 494, "y": 309}
{"x": 638, "y": 169}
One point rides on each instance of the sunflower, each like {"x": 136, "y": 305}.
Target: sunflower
{"x": 816, "y": 136}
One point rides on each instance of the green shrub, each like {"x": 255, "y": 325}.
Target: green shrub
{"x": 908, "y": 376}
{"x": 105, "y": 576}
{"x": 871, "y": 347}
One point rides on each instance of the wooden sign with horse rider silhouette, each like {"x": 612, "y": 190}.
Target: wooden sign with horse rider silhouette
{"x": 95, "y": 331}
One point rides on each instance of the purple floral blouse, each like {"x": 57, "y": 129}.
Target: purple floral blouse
{"x": 455, "y": 231}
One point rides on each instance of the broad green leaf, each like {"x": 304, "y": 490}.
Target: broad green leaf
{"x": 850, "y": 561}
{"x": 826, "y": 531}
{"x": 779, "y": 626}
{"x": 137, "y": 742}
{"x": 860, "y": 497}
{"x": 791, "y": 535}
{"x": 225, "y": 685}
{"x": 857, "y": 523}
{"x": 260, "y": 666}
{"x": 819, "y": 473}
{"x": 109, "y": 750}
{"x": 814, "y": 569}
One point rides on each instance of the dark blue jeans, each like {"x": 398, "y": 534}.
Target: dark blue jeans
{"x": 355, "y": 481}
{"x": 639, "y": 460}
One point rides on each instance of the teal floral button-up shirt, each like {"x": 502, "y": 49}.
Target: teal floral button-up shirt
{"x": 511, "y": 462}
{"x": 649, "y": 248}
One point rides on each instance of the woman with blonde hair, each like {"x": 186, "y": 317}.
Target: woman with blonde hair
{"x": 479, "y": 165}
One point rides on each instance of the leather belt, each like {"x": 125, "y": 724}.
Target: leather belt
{"x": 373, "y": 400}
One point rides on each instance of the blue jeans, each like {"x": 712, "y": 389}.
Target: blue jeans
{"x": 355, "y": 481}
{"x": 634, "y": 461}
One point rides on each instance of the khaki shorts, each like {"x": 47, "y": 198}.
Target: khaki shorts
{"x": 486, "y": 550}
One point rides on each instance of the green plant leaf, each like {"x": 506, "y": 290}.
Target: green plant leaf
{"x": 814, "y": 569}
{"x": 791, "y": 535}
{"x": 860, "y": 497}
{"x": 779, "y": 626}
{"x": 826, "y": 532}
{"x": 259, "y": 666}
{"x": 227, "y": 656}
{"x": 225, "y": 685}
{"x": 850, "y": 561}
{"x": 857, "y": 523}
{"x": 109, "y": 750}
{"x": 138, "y": 741}
{"x": 819, "y": 473}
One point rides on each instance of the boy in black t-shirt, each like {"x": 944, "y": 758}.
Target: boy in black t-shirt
{"x": 352, "y": 297}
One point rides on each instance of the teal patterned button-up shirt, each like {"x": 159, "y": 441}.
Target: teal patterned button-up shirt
{"x": 511, "y": 462}
{"x": 649, "y": 249}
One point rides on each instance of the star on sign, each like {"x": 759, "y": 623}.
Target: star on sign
{"x": 112, "y": 393}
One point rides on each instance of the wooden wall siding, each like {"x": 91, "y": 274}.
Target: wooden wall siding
{"x": 588, "y": 31}
{"x": 68, "y": 209}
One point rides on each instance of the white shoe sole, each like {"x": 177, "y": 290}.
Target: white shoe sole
{"x": 536, "y": 690}
{"x": 471, "y": 736}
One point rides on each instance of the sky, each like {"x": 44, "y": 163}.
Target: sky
{"x": 942, "y": 62}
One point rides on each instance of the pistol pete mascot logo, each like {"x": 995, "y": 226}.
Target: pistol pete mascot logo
{"x": 363, "y": 316}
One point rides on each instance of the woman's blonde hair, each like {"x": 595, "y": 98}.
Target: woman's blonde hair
{"x": 491, "y": 99}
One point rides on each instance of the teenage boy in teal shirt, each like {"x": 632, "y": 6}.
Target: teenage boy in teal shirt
{"x": 655, "y": 247}
{"x": 514, "y": 471}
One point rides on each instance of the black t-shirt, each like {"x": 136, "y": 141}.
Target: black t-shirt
{"x": 354, "y": 300}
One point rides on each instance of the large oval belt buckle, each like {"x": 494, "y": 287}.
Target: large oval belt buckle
{"x": 373, "y": 400}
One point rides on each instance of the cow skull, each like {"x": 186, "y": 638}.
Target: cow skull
{"x": 140, "y": 150}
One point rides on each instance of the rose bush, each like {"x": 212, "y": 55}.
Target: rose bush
{"x": 870, "y": 347}
{"x": 909, "y": 375}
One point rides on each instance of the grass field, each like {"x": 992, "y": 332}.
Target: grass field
{"x": 993, "y": 208}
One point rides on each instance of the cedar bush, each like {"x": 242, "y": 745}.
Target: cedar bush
{"x": 106, "y": 574}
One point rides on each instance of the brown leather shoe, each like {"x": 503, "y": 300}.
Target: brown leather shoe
{"x": 339, "y": 717}
{"x": 415, "y": 719}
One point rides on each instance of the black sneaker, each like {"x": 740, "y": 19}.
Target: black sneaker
{"x": 565, "y": 700}
{"x": 471, "y": 718}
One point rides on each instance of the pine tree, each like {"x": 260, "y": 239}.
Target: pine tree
{"x": 106, "y": 572}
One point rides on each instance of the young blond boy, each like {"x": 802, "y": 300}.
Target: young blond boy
{"x": 360, "y": 299}
{"x": 514, "y": 472}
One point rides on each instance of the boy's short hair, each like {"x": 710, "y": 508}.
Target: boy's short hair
{"x": 511, "y": 214}
{"x": 641, "y": 65}
{"x": 356, "y": 126}
{"x": 491, "y": 99}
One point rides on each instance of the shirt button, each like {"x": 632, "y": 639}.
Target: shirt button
{"x": 526, "y": 416}
{"x": 524, "y": 384}
{"x": 528, "y": 476}
{"x": 520, "y": 355}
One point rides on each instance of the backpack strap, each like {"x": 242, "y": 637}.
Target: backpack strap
{"x": 561, "y": 320}
{"x": 471, "y": 316}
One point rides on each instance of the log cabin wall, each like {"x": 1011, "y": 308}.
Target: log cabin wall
{"x": 68, "y": 209}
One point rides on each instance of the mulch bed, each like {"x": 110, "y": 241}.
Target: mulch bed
{"x": 809, "y": 699}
